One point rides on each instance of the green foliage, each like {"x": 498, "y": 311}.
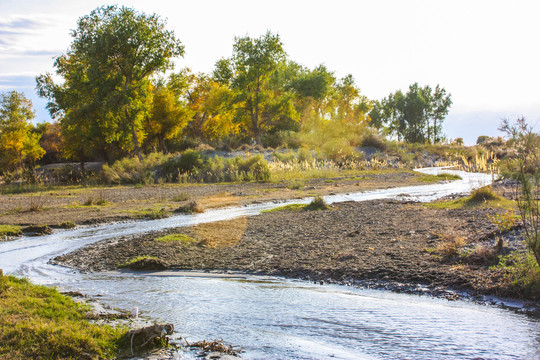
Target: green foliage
{"x": 522, "y": 273}
{"x": 37, "y": 322}
{"x": 10, "y": 230}
{"x": 106, "y": 91}
{"x": 18, "y": 145}
{"x": 415, "y": 116}
{"x": 249, "y": 73}
{"x": 133, "y": 170}
{"x": 525, "y": 168}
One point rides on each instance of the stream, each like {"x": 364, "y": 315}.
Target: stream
{"x": 277, "y": 318}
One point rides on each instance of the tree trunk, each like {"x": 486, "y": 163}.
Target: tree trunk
{"x": 136, "y": 146}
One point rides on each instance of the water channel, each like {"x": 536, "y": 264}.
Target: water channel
{"x": 276, "y": 318}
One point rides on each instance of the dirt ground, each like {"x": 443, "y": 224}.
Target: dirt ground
{"x": 107, "y": 204}
{"x": 376, "y": 243}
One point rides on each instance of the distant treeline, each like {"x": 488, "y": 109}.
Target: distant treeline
{"x": 117, "y": 97}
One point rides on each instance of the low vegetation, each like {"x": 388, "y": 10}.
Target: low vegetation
{"x": 10, "y": 230}
{"x": 481, "y": 197}
{"x": 438, "y": 177}
{"x": 318, "y": 203}
{"x": 178, "y": 238}
{"x": 37, "y": 322}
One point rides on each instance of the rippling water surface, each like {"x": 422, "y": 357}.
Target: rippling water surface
{"x": 278, "y": 318}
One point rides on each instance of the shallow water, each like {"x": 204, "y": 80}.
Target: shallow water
{"x": 278, "y": 318}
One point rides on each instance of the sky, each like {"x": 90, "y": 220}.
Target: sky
{"x": 485, "y": 53}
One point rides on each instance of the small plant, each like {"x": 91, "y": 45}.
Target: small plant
{"x": 66, "y": 225}
{"x": 296, "y": 185}
{"x": 483, "y": 194}
{"x": 451, "y": 244}
{"x": 190, "y": 208}
{"x": 318, "y": 203}
{"x": 504, "y": 223}
{"x": 36, "y": 202}
{"x": 10, "y": 230}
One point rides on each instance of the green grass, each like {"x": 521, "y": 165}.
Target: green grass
{"x": 317, "y": 203}
{"x": 37, "y": 322}
{"x": 437, "y": 178}
{"x": 10, "y": 230}
{"x": 482, "y": 197}
{"x": 181, "y": 238}
{"x": 136, "y": 259}
{"x": 289, "y": 207}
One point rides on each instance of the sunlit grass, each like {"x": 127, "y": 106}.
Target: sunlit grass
{"x": 10, "y": 230}
{"x": 37, "y": 322}
{"x": 482, "y": 197}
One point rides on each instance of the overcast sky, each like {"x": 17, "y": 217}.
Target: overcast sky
{"x": 485, "y": 53}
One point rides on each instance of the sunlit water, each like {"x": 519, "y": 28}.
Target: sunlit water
{"x": 278, "y": 318}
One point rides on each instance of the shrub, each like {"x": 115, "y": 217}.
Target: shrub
{"x": 318, "y": 203}
{"x": 372, "y": 138}
{"x": 134, "y": 171}
{"x": 304, "y": 155}
{"x": 483, "y": 194}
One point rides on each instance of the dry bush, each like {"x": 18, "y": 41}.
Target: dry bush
{"x": 452, "y": 242}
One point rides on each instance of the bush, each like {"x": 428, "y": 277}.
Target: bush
{"x": 133, "y": 171}
{"x": 317, "y": 203}
{"x": 372, "y": 138}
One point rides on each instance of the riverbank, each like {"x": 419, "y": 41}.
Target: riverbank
{"x": 406, "y": 247}
{"x": 69, "y": 206}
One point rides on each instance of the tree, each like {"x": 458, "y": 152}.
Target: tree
{"x": 18, "y": 145}
{"x": 167, "y": 118}
{"x": 249, "y": 72}
{"x": 415, "y": 116}
{"x": 114, "y": 53}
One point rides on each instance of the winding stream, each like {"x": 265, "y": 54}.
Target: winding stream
{"x": 278, "y": 318}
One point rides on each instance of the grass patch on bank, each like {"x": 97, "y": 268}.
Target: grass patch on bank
{"x": 289, "y": 207}
{"x": 318, "y": 203}
{"x": 180, "y": 238}
{"x": 37, "y": 322}
{"x": 136, "y": 260}
{"x": 10, "y": 230}
{"x": 436, "y": 178}
{"x": 482, "y": 197}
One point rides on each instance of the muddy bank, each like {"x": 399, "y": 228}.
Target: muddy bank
{"x": 381, "y": 243}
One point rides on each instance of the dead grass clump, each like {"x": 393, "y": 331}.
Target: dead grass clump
{"x": 36, "y": 202}
{"x": 215, "y": 346}
{"x": 483, "y": 255}
{"x": 451, "y": 244}
{"x": 190, "y": 208}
